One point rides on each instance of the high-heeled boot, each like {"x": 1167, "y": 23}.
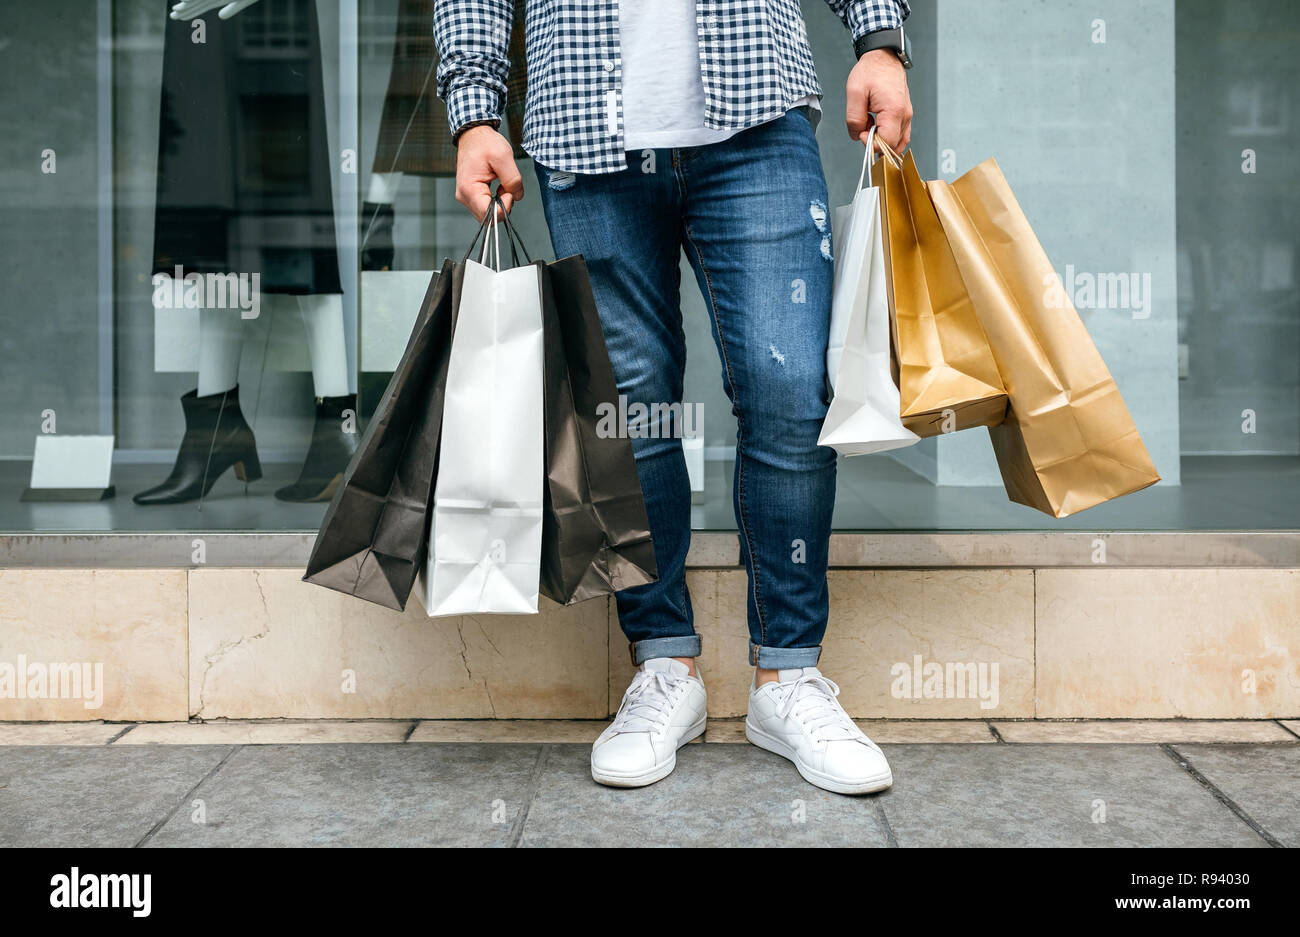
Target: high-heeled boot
{"x": 217, "y": 437}
{"x": 334, "y": 439}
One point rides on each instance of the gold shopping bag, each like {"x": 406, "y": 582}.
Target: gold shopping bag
{"x": 1068, "y": 441}
{"x": 947, "y": 378}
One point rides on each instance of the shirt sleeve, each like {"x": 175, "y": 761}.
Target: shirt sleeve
{"x": 869, "y": 16}
{"x": 473, "y": 38}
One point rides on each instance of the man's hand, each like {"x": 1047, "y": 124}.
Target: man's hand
{"x": 483, "y": 155}
{"x": 878, "y": 85}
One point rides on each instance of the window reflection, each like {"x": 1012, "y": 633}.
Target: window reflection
{"x": 303, "y": 142}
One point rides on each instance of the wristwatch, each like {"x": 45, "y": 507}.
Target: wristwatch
{"x": 893, "y": 39}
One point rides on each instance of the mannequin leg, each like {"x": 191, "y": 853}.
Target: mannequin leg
{"x": 322, "y": 315}
{"x": 221, "y": 339}
{"x": 377, "y": 249}
{"x": 334, "y": 436}
{"x": 383, "y": 187}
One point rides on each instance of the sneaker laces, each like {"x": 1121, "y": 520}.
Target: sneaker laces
{"x": 647, "y": 703}
{"x": 818, "y": 710}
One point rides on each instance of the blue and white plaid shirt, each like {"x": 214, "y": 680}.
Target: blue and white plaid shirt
{"x": 754, "y": 59}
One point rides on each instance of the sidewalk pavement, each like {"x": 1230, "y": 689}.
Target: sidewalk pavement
{"x": 465, "y": 783}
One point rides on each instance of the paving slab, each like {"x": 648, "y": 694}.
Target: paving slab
{"x": 1053, "y": 795}
{"x": 360, "y": 795}
{"x": 926, "y": 731}
{"x": 1262, "y": 780}
{"x": 249, "y": 732}
{"x": 719, "y": 795}
{"x": 60, "y": 733}
{"x": 1147, "y": 731}
{"x": 881, "y": 731}
{"x": 509, "y": 731}
{"x": 93, "y": 796}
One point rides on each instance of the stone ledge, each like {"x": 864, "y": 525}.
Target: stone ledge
{"x": 1264, "y": 549}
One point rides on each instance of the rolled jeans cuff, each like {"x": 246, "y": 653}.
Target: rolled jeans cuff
{"x": 680, "y": 646}
{"x": 783, "y": 658}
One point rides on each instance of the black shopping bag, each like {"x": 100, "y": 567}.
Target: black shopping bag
{"x": 595, "y": 533}
{"x": 373, "y": 540}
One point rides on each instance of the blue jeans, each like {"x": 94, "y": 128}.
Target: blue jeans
{"x": 751, "y": 214}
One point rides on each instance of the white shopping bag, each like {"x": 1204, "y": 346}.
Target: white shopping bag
{"x": 864, "y": 410}
{"x": 485, "y": 540}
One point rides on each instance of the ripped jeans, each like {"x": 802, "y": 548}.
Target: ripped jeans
{"x": 751, "y": 214}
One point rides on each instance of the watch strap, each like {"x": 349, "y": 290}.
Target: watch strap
{"x": 892, "y": 39}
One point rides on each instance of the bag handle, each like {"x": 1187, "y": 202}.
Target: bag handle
{"x": 491, "y": 223}
{"x": 491, "y": 243}
{"x": 867, "y": 156}
{"x": 489, "y": 230}
{"x": 511, "y": 232}
{"x": 482, "y": 226}
{"x": 885, "y": 150}
{"x": 889, "y": 153}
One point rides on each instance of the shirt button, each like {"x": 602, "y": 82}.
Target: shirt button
{"x": 609, "y": 65}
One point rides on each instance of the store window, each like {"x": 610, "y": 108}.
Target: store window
{"x": 293, "y": 161}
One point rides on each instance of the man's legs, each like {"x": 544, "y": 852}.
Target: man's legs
{"x": 626, "y": 225}
{"x": 752, "y": 214}
{"x": 757, "y": 231}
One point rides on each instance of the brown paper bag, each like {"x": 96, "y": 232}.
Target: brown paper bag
{"x": 1068, "y": 442}
{"x": 947, "y": 378}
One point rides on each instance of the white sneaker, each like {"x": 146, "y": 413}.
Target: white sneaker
{"x": 662, "y": 710}
{"x": 799, "y": 718}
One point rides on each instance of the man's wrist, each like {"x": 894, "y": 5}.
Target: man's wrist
{"x": 472, "y": 105}
{"x": 471, "y": 124}
{"x": 894, "y": 41}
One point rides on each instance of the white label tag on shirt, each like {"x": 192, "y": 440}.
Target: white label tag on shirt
{"x": 611, "y": 111}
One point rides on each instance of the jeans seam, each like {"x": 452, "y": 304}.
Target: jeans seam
{"x": 681, "y": 335}
{"x": 740, "y": 427}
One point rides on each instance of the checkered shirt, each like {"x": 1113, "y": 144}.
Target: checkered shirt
{"x": 754, "y": 60}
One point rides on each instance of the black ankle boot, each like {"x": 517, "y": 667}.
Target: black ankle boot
{"x": 377, "y": 249}
{"x": 217, "y": 437}
{"x": 330, "y": 452}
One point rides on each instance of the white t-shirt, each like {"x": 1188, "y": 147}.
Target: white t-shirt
{"x": 663, "y": 93}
